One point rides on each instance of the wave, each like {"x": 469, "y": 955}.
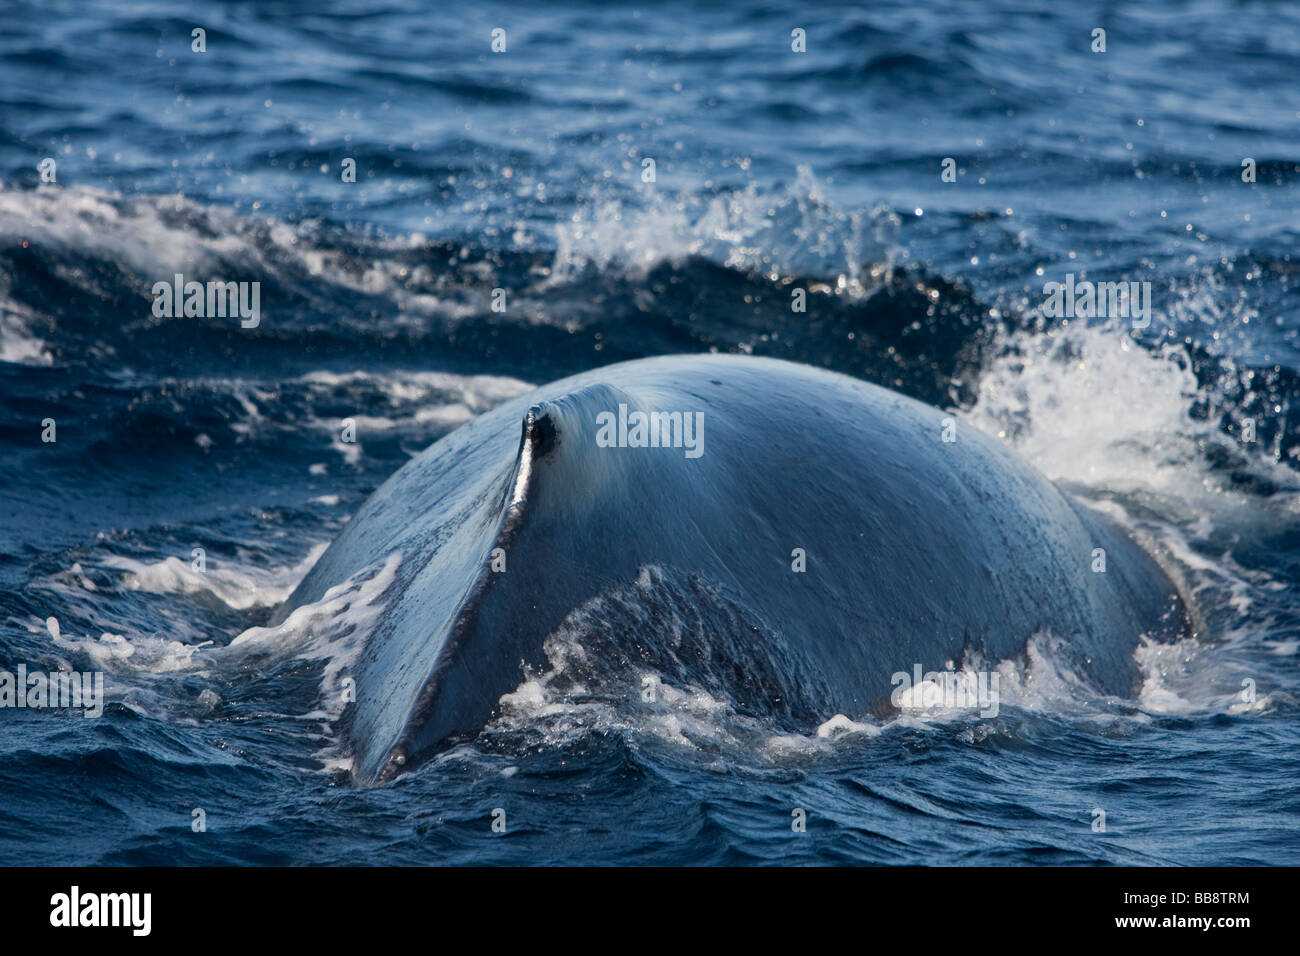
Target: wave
{"x": 1148, "y": 428}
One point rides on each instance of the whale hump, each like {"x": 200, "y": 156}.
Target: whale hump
{"x": 702, "y": 476}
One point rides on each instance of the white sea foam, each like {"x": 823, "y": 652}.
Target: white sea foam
{"x": 155, "y": 236}
{"x": 474, "y": 393}
{"x": 17, "y": 343}
{"x": 1091, "y": 407}
{"x": 237, "y": 586}
{"x": 334, "y": 629}
{"x": 1043, "y": 681}
{"x": 794, "y": 232}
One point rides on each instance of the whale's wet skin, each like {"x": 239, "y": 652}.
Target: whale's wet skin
{"x": 651, "y": 654}
{"x": 827, "y": 535}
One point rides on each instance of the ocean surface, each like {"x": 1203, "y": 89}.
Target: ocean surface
{"x": 524, "y": 171}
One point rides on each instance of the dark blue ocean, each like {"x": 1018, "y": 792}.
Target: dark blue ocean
{"x": 525, "y": 171}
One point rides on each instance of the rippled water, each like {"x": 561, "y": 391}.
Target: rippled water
{"x": 523, "y": 171}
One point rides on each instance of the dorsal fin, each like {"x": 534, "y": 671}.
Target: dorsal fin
{"x": 541, "y": 430}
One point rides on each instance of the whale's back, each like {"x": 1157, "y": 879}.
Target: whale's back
{"x": 916, "y": 549}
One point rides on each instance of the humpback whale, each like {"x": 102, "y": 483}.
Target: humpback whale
{"x": 816, "y": 534}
